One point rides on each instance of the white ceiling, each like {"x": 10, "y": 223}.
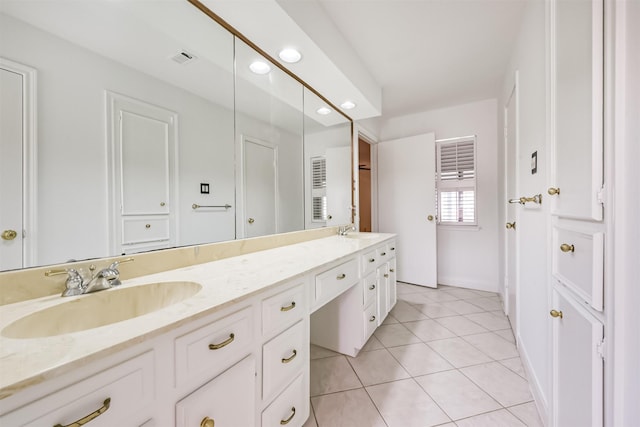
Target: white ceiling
{"x": 427, "y": 54}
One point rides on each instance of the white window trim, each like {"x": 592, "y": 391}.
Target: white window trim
{"x": 469, "y": 184}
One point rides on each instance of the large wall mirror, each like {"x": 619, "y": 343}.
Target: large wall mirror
{"x": 147, "y": 125}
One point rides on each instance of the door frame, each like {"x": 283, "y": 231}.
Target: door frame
{"x": 515, "y": 95}
{"x": 29, "y": 159}
{"x": 241, "y": 179}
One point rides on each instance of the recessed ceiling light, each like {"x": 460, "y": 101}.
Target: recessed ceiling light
{"x": 323, "y": 110}
{"x": 290, "y": 55}
{"x": 260, "y": 67}
{"x": 348, "y": 105}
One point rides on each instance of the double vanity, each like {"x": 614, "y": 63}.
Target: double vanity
{"x": 222, "y": 343}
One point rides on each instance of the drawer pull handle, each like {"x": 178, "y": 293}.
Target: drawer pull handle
{"x": 383, "y": 254}
{"x": 372, "y": 319}
{"x": 207, "y": 422}
{"x": 223, "y": 343}
{"x": 290, "y": 358}
{"x": 286, "y": 421}
{"x": 341, "y": 276}
{"x": 91, "y": 416}
{"x": 386, "y": 275}
{"x": 372, "y": 287}
{"x": 372, "y": 260}
{"x": 556, "y": 313}
{"x": 393, "y": 249}
{"x": 553, "y": 191}
{"x": 567, "y": 248}
{"x": 289, "y": 307}
{"x": 393, "y": 270}
{"x": 147, "y": 226}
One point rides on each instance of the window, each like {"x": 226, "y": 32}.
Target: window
{"x": 456, "y": 180}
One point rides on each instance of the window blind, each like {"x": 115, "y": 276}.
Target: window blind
{"x": 456, "y": 181}
{"x": 318, "y": 189}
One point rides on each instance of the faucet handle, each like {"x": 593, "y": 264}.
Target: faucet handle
{"x": 114, "y": 265}
{"x": 74, "y": 283}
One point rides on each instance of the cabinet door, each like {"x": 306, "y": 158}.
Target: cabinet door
{"x": 228, "y": 399}
{"x": 392, "y": 284}
{"x": 578, "y": 366}
{"x": 578, "y": 84}
{"x": 383, "y": 292}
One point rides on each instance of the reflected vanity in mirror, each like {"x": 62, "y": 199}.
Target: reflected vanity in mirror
{"x": 145, "y": 125}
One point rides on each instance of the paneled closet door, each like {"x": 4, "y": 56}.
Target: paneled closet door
{"x": 578, "y": 62}
{"x": 578, "y": 366}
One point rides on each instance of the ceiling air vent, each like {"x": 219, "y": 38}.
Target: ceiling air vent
{"x": 184, "y": 57}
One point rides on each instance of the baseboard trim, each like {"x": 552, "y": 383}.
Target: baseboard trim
{"x": 465, "y": 282}
{"x": 534, "y": 385}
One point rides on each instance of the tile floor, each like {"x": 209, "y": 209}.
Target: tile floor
{"x": 443, "y": 357}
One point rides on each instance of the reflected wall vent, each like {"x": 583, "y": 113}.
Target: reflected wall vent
{"x": 184, "y": 57}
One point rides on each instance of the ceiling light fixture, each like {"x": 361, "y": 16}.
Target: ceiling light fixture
{"x": 323, "y": 111}
{"x": 348, "y": 105}
{"x": 260, "y": 67}
{"x": 290, "y": 55}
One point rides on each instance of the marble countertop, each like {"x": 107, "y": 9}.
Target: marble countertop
{"x": 27, "y": 362}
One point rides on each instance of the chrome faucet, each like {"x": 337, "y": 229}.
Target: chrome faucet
{"x": 75, "y": 284}
{"x": 343, "y": 230}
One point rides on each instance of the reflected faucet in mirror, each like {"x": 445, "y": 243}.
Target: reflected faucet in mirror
{"x": 76, "y": 284}
{"x": 343, "y": 230}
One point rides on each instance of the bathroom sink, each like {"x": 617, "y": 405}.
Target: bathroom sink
{"x": 361, "y": 235}
{"x": 100, "y": 309}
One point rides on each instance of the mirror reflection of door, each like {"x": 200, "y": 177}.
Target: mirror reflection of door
{"x": 364, "y": 173}
{"x": 11, "y": 171}
{"x": 338, "y": 185}
{"x": 260, "y": 178}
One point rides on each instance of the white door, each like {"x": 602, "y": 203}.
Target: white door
{"x": 338, "y": 186}
{"x": 259, "y": 187}
{"x": 578, "y": 367}
{"x": 11, "y": 139}
{"x": 406, "y": 201}
{"x": 511, "y": 190}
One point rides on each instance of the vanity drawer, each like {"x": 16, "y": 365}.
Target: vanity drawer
{"x": 369, "y": 262}
{"x": 333, "y": 282}
{"x": 392, "y": 248}
{"x": 282, "y": 358}
{"x": 283, "y": 309}
{"x": 370, "y": 321}
{"x": 291, "y": 408}
{"x": 578, "y": 262}
{"x": 141, "y": 230}
{"x": 369, "y": 289}
{"x": 129, "y": 387}
{"x": 228, "y": 399}
{"x": 384, "y": 254}
{"x": 210, "y": 349}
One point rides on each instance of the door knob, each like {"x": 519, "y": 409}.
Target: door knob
{"x": 430, "y": 217}
{"x": 511, "y": 225}
{"x": 9, "y": 234}
{"x": 251, "y": 221}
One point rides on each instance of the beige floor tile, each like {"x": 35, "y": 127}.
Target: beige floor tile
{"x": 429, "y": 330}
{"x": 440, "y": 296}
{"x": 347, "y": 409}
{"x": 499, "y": 313}
{"x": 434, "y": 310}
{"x": 460, "y": 325}
{"x": 458, "y": 396}
{"x": 405, "y": 288}
{"x": 317, "y": 352}
{"x": 394, "y": 335}
{"x": 462, "y": 307}
{"x": 492, "y": 345}
{"x": 419, "y": 359}
{"x": 507, "y": 334}
{"x": 405, "y": 312}
{"x": 460, "y": 293}
{"x": 332, "y": 374}
{"x": 489, "y": 321}
{"x": 485, "y": 293}
{"x": 515, "y": 365}
{"x": 405, "y": 404}
{"x": 458, "y": 352}
{"x": 489, "y": 304}
{"x": 373, "y": 344}
{"x": 311, "y": 421}
{"x": 501, "y": 418}
{"x": 528, "y": 414}
{"x": 507, "y": 387}
{"x": 377, "y": 366}
{"x": 390, "y": 320}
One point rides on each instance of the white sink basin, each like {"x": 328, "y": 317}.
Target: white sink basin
{"x": 100, "y": 309}
{"x": 360, "y": 235}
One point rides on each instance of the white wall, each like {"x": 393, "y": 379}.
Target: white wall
{"x": 529, "y": 58}
{"x": 466, "y": 257}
